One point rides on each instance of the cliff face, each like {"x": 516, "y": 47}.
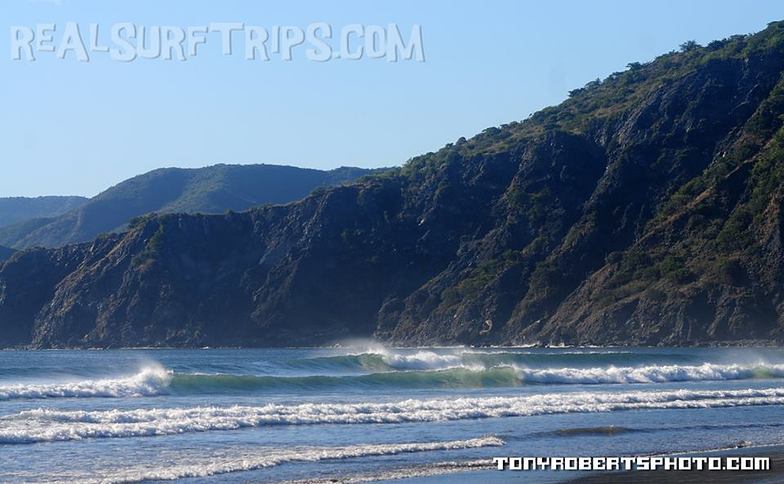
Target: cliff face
{"x": 646, "y": 209}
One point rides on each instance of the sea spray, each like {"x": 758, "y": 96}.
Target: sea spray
{"x": 382, "y": 359}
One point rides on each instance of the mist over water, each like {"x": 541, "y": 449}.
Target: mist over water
{"x": 280, "y": 414}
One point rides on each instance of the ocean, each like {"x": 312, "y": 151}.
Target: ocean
{"x": 365, "y": 411}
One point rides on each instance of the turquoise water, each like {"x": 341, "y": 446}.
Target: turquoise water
{"x": 217, "y": 415}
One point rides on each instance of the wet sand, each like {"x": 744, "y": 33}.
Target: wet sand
{"x": 775, "y": 474}
{"x": 489, "y": 475}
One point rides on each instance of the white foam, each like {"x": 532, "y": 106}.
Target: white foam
{"x": 467, "y": 359}
{"x": 249, "y": 461}
{"x": 149, "y": 381}
{"x": 42, "y": 425}
{"x": 650, "y": 374}
{"x": 421, "y": 360}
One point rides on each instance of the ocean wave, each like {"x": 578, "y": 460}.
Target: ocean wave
{"x": 461, "y": 377}
{"x": 42, "y": 425}
{"x": 382, "y": 359}
{"x": 422, "y": 360}
{"x": 250, "y": 461}
{"x": 156, "y": 380}
{"x": 451, "y": 378}
{"x": 149, "y": 381}
{"x": 650, "y": 374}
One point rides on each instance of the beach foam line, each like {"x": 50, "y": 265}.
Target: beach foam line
{"x": 260, "y": 459}
{"x": 44, "y": 425}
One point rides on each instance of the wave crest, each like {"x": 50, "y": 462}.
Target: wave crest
{"x": 461, "y": 377}
{"x": 382, "y": 359}
{"x": 649, "y": 374}
{"x": 149, "y": 381}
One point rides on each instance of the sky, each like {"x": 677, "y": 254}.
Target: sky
{"x": 77, "y": 128}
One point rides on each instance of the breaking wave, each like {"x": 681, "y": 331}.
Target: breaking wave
{"x": 476, "y": 377}
{"x": 156, "y": 380}
{"x": 44, "y": 425}
{"x": 149, "y": 381}
{"x": 650, "y": 374}
{"x": 451, "y": 378}
{"x": 381, "y": 359}
{"x": 460, "y": 377}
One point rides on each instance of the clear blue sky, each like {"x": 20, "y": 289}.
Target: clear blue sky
{"x": 78, "y": 128}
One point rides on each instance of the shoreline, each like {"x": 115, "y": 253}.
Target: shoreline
{"x": 475, "y": 472}
{"x": 774, "y": 474}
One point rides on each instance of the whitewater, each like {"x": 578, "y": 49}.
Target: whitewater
{"x": 342, "y": 413}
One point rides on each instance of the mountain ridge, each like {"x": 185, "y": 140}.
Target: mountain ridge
{"x": 645, "y": 209}
{"x": 18, "y": 209}
{"x": 212, "y": 189}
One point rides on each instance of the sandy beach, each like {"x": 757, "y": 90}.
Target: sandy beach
{"x": 775, "y": 474}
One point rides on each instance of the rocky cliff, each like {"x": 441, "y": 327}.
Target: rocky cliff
{"x": 645, "y": 209}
